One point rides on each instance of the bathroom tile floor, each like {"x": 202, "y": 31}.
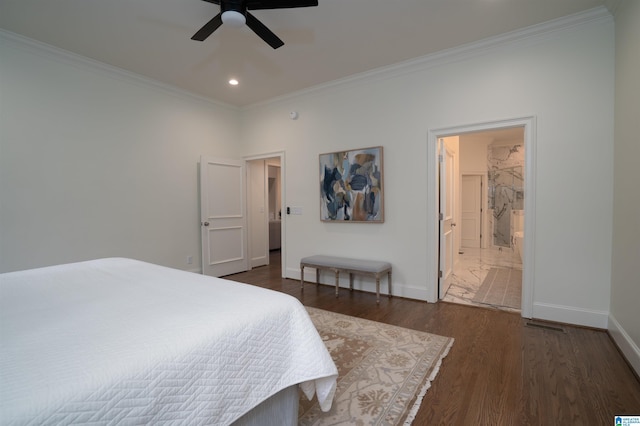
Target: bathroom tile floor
{"x": 472, "y": 268}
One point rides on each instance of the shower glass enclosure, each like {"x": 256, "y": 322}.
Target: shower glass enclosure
{"x": 506, "y": 190}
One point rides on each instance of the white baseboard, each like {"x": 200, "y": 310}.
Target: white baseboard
{"x": 571, "y": 315}
{"x": 362, "y": 285}
{"x": 628, "y": 347}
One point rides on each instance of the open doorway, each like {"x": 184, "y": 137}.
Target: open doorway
{"x": 265, "y": 194}
{"x": 525, "y": 195}
{"x": 487, "y": 268}
{"x": 274, "y": 195}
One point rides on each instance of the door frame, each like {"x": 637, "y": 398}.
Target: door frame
{"x": 528, "y": 264}
{"x": 283, "y": 233}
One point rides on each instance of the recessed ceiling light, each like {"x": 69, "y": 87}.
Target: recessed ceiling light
{"x": 233, "y": 82}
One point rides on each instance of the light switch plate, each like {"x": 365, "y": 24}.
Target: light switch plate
{"x": 296, "y": 210}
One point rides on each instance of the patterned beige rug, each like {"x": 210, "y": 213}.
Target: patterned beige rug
{"x": 383, "y": 371}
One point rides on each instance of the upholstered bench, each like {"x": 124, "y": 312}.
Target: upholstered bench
{"x": 370, "y": 268}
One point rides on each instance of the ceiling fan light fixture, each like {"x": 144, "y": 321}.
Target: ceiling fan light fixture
{"x": 234, "y": 13}
{"x": 233, "y": 18}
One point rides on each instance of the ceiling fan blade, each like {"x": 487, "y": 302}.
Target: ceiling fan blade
{"x": 279, "y": 4}
{"x": 208, "y": 28}
{"x": 263, "y": 32}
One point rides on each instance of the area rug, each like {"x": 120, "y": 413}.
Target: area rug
{"x": 384, "y": 371}
{"x": 501, "y": 287}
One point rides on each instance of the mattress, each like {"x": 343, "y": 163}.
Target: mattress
{"x": 122, "y": 341}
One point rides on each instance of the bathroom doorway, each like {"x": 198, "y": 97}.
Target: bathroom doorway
{"x": 490, "y": 266}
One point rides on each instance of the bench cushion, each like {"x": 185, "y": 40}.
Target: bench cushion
{"x": 372, "y": 266}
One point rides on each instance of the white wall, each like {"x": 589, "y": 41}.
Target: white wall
{"x": 625, "y": 278}
{"x": 473, "y": 153}
{"x": 564, "y": 78}
{"x": 96, "y": 163}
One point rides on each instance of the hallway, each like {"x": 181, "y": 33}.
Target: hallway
{"x": 472, "y": 270}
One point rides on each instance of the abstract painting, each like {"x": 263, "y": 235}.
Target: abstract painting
{"x": 351, "y": 186}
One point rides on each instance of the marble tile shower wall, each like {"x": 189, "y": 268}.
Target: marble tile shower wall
{"x": 506, "y": 189}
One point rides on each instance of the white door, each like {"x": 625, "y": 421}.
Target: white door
{"x": 223, "y": 216}
{"x": 471, "y": 206}
{"x": 447, "y": 236}
{"x": 257, "y": 210}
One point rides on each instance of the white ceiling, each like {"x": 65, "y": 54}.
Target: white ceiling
{"x": 337, "y": 39}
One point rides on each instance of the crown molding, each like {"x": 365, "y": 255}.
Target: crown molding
{"x": 613, "y": 6}
{"x": 517, "y": 38}
{"x": 528, "y": 35}
{"x": 61, "y": 55}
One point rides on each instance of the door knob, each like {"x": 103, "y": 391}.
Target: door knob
{"x": 206, "y": 223}
{"x": 453, "y": 224}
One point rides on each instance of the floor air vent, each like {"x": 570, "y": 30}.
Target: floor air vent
{"x": 546, "y": 326}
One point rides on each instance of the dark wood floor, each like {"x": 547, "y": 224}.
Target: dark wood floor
{"x": 500, "y": 371}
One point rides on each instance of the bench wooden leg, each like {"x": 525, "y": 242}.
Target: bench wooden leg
{"x": 377, "y": 288}
{"x": 317, "y": 276}
{"x": 301, "y": 277}
{"x": 337, "y": 281}
{"x": 350, "y": 281}
{"x": 389, "y": 280}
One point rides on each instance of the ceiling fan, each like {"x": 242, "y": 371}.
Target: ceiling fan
{"x": 235, "y": 13}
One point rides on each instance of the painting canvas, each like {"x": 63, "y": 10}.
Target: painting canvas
{"x": 351, "y": 186}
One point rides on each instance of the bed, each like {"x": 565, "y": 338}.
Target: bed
{"x": 119, "y": 341}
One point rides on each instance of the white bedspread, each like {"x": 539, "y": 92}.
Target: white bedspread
{"x": 127, "y": 342}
